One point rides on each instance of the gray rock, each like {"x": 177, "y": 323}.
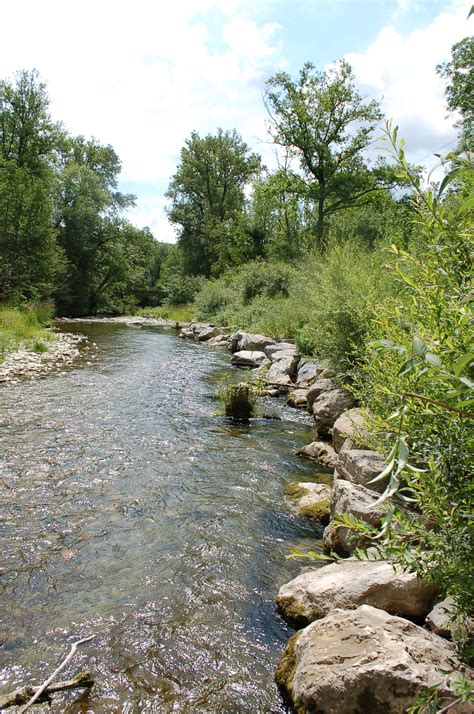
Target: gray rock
{"x": 328, "y": 407}
{"x": 207, "y": 333}
{"x": 311, "y": 500}
{"x": 247, "y": 358}
{"x": 187, "y": 334}
{"x": 198, "y": 327}
{"x": 319, "y": 387}
{"x": 308, "y": 373}
{"x": 438, "y": 620}
{"x": 287, "y": 356}
{"x": 356, "y": 500}
{"x": 280, "y": 372}
{"x": 297, "y": 398}
{"x": 248, "y": 341}
{"x": 360, "y": 466}
{"x": 362, "y": 661}
{"x": 351, "y": 583}
{"x": 320, "y": 451}
{"x": 270, "y": 350}
{"x": 218, "y": 341}
{"x": 234, "y": 340}
{"x": 349, "y": 426}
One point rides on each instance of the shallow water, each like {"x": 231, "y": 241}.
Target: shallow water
{"x": 134, "y": 513}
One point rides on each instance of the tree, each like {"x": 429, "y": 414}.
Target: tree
{"x": 29, "y": 254}
{"x": 327, "y": 125}
{"x": 460, "y": 90}
{"x": 89, "y": 229}
{"x": 207, "y": 195}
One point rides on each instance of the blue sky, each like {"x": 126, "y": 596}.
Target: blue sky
{"x": 142, "y": 76}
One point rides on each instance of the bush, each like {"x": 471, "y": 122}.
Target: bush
{"x": 339, "y": 291}
{"x": 417, "y": 382}
{"x": 25, "y": 326}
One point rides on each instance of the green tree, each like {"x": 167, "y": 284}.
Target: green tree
{"x": 29, "y": 254}
{"x": 207, "y": 195}
{"x": 325, "y": 123}
{"x": 88, "y": 208}
{"x": 460, "y": 89}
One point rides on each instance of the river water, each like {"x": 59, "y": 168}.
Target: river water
{"x": 132, "y": 512}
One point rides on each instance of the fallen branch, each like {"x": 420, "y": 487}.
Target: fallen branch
{"x": 46, "y": 684}
{"x": 24, "y": 694}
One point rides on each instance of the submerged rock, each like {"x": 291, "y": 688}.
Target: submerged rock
{"x": 362, "y": 661}
{"x": 297, "y": 398}
{"x": 351, "y": 583}
{"x": 320, "y": 451}
{"x": 312, "y": 500}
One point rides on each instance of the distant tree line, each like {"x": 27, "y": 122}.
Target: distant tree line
{"x": 63, "y": 230}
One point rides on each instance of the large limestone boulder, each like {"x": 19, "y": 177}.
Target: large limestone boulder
{"x": 248, "y": 358}
{"x": 248, "y": 341}
{"x": 290, "y": 359}
{"x": 361, "y": 466}
{"x": 320, "y": 451}
{"x": 187, "y": 333}
{"x": 357, "y": 500}
{"x": 319, "y": 387}
{"x": 329, "y": 406}
{"x": 351, "y": 583}
{"x": 218, "y": 341}
{"x": 207, "y": 333}
{"x": 308, "y": 373}
{"x": 297, "y": 398}
{"x": 272, "y": 349}
{"x": 362, "y": 661}
{"x": 311, "y": 500}
{"x": 350, "y": 426}
{"x": 280, "y": 373}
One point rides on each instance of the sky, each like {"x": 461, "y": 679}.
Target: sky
{"x": 142, "y": 76}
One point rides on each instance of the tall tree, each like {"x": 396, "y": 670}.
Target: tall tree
{"x": 29, "y": 254}
{"x": 207, "y": 197}
{"x": 87, "y": 217}
{"x": 325, "y": 123}
{"x": 460, "y": 88}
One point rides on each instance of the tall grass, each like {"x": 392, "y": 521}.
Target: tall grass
{"x": 25, "y": 327}
{"x": 176, "y": 313}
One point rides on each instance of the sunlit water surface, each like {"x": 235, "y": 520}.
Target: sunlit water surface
{"x": 132, "y": 512}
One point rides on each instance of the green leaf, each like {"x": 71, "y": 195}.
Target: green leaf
{"x": 462, "y": 362}
{"x": 419, "y": 346}
{"x": 433, "y": 359}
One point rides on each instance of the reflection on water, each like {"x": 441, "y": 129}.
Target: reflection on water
{"x": 132, "y": 512}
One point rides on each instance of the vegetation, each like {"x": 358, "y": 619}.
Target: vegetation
{"x": 25, "y": 327}
{"x": 374, "y": 282}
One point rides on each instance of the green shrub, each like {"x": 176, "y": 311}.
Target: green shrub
{"x": 417, "y": 382}
{"x": 339, "y": 291}
{"x": 24, "y": 326}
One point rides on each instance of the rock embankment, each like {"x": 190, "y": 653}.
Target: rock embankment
{"x": 371, "y": 639}
{"x": 59, "y": 353}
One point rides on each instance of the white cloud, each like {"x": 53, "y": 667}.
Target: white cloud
{"x": 400, "y": 70}
{"x": 141, "y": 77}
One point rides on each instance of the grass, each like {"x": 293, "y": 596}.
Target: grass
{"x": 177, "y": 313}
{"x": 24, "y": 327}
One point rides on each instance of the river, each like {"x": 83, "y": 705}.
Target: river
{"x": 132, "y": 512}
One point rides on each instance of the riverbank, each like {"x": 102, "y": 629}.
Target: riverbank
{"x": 57, "y": 353}
{"x": 59, "y": 349}
{"x": 374, "y": 637}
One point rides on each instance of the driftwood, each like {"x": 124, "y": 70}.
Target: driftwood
{"x": 25, "y": 694}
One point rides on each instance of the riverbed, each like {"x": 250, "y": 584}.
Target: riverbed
{"x": 133, "y": 512}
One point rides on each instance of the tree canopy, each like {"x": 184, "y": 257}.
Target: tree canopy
{"x": 325, "y": 123}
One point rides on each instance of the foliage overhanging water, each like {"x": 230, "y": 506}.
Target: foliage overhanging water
{"x": 133, "y": 513}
